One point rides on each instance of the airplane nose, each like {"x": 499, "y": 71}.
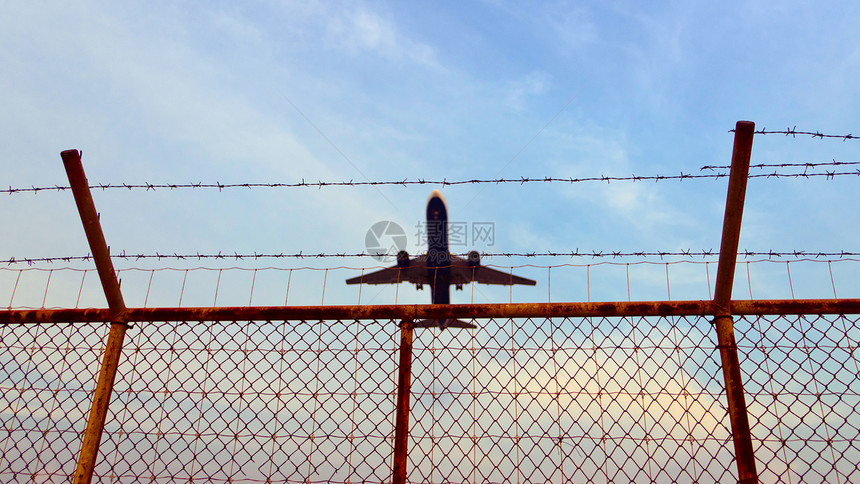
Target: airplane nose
{"x": 437, "y": 194}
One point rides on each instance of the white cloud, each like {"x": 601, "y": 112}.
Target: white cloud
{"x": 561, "y": 21}
{"x": 236, "y": 26}
{"x": 641, "y": 207}
{"x": 145, "y": 104}
{"x": 521, "y": 91}
{"x": 637, "y": 386}
{"x": 571, "y": 24}
{"x": 362, "y": 30}
{"x": 371, "y": 31}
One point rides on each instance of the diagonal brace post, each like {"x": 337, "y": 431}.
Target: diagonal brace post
{"x": 110, "y": 284}
{"x": 744, "y": 455}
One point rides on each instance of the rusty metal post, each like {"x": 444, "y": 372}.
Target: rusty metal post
{"x": 744, "y": 455}
{"x": 404, "y": 388}
{"x": 110, "y": 284}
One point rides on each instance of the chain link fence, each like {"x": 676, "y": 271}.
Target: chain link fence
{"x": 523, "y": 400}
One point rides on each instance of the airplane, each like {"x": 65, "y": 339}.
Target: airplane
{"x": 438, "y": 268}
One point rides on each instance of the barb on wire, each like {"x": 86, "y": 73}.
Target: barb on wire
{"x": 793, "y": 132}
{"x": 785, "y": 165}
{"x": 771, "y": 254}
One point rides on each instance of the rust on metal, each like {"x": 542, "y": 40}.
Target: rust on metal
{"x": 741, "y": 152}
{"x": 93, "y": 229}
{"x": 113, "y": 349}
{"x": 404, "y": 389}
{"x": 428, "y": 311}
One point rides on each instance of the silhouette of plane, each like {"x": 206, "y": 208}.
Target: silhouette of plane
{"x": 439, "y": 268}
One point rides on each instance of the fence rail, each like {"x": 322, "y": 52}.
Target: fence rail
{"x": 399, "y": 312}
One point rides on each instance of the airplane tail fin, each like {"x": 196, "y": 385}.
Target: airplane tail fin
{"x": 443, "y": 323}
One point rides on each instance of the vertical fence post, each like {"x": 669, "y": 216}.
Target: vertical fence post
{"x": 110, "y": 284}
{"x": 404, "y": 388}
{"x": 744, "y": 456}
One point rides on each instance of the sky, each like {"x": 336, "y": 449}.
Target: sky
{"x": 280, "y": 92}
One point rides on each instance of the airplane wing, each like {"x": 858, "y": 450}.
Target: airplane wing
{"x": 415, "y": 273}
{"x": 443, "y": 323}
{"x": 463, "y": 273}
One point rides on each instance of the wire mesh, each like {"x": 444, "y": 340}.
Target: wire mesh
{"x": 801, "y": 378}
{"x": 605, "y": 280}
{"x": 46, "y": 389}
{"x": 536, "y": 400}
{"x": 571, "y": 400}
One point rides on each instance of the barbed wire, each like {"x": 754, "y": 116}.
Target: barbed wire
{"x": 829, "y": 175}
{"x": 235, "y": 256}
{"x": 793, "y": 132}
{"x": 785, "y": 165}
{"x": 352, "y": 183}
{"x": 406, "y": 182}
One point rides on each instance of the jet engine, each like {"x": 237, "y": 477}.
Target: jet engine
{"x": 403, "y": 259}
{"x": 474, "y": 258}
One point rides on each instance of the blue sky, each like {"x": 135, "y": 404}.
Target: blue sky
{"x": 163, "y": 92}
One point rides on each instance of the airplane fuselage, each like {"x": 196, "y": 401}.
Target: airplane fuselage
{"x": 438, "y": 256}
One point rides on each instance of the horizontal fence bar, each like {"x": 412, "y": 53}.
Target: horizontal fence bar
{"x": 435, "y": 311}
